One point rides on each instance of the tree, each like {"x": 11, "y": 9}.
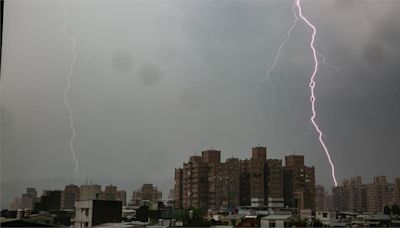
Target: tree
{"x": 387, "y": 210}
{"x": 392, "y": 210}
{"x": 194, "y": 217}
{"x": 142, "y": 214}
{"x": 396, "y": 209}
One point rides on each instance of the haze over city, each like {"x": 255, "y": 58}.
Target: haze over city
{"x": 157, "y": 82}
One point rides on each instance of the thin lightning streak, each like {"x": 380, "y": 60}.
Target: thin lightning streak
{"x": 274, "y": 63}
{"x": 323, "y": 60}
{"x": 272, "y": 67}
{"x": 339, "y": 72}
{"x": 268, "y": 75}
{"x": 312, "y": 86}
{"x": 71, "y": 71}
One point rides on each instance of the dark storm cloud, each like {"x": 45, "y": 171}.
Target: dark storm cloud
{"x": 374, "y": 53}
{"x": 191, "y": 62}
{"x": 368, "y": 68}
{"x": 345, "y": 5}
{"x": 165, "y": 53}
{"x": 192, "y": 100}
{"x": 122, "y": 60}
{"x": 150, "y": 74}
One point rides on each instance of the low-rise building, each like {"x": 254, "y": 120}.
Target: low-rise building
{"x": 325, "y": 217}
{"x": 94, "y": 212}
{"x": 275, "y": 220}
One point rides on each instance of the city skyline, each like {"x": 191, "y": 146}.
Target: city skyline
{"x": 164, "y": 184}
{"x": 154, "y": 82}
{"x": 209, "y": 156}
{"x": 352, "y": 202}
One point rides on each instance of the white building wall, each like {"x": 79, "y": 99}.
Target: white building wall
{"x": 83, "y": 213}
{"x": 266, "y": 223}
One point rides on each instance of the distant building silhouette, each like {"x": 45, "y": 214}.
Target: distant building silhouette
{"x": 354, "y": 195}
{"x": 26, "y": 201}
{"x": 121, "y": 196}
{"x": 90, "y": 192}
{"x": 147, "y": 192}
{"x": 69, "y": 195}
{"x": 110, "y": 192}
{"x": 50, "y": 200}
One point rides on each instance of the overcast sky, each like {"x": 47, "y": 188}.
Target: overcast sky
{"x": 156, "y": 82}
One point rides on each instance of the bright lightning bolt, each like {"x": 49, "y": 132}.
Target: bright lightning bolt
{"x": 71, "y": 70}
{"x": 312, "y": 86}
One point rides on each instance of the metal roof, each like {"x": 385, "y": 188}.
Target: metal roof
{"x": 276, "y": 217}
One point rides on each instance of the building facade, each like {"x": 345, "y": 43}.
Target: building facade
{"x": 110, "y": 192}
{"x": 212, "y": 158}
{"x": 90, "y": 192}
{"x": 195, "y": 183}
{"x": 298, "y": 183}
{"x": 231, "y": 184}
{"x": 69, "y": 195}
{"x": 319, "y": 197}
{"x": 178, "y": 188}
{"x": 207, "y": 183}
{"x": 50, "y": 200}
{"x": 121, "y": 196}
{"x": 27, "y": 200}
{"x": 244, "y": 180}
{"x": 258, "y": 176}
{"x": 396, "y": 191}
{"x": 274, "y": 178}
